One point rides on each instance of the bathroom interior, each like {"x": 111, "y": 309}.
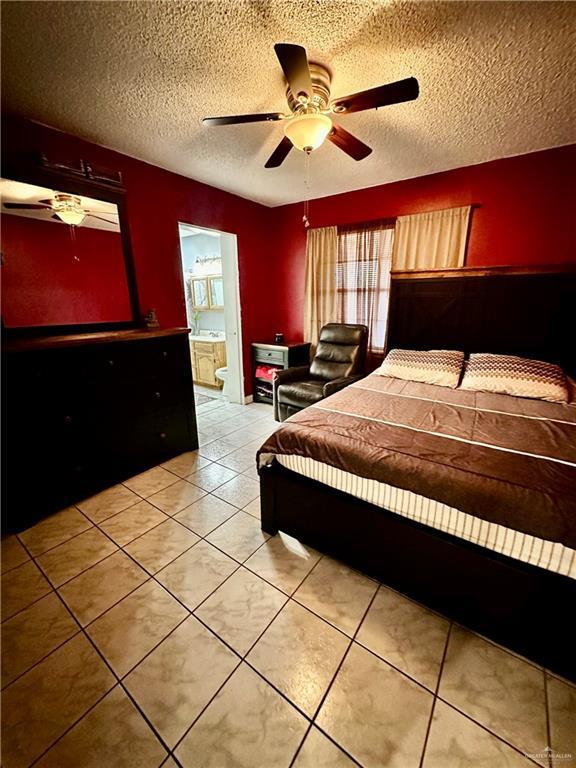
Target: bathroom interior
{"x": 204, "y": 293}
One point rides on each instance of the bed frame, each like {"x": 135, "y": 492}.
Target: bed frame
{"x": 525, "y": 608}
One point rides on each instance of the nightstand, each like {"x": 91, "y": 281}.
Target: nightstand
{"x": 268, "y": 357}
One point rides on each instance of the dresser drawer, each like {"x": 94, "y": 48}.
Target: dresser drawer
{"x": 270, "y": 355}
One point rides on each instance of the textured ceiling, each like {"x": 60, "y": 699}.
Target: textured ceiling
{"x": 496, "y": 79}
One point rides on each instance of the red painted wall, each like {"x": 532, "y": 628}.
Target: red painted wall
{"x": 526, "y": 216}
{"x": 43, "y": 284}
{"x": 156, "y": 201}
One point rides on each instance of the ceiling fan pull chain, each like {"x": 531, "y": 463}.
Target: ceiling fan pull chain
{"x": 73, "y": 238}
{"x": 305, "y": 219}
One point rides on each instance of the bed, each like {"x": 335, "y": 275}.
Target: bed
{"x": 463, "y": 500}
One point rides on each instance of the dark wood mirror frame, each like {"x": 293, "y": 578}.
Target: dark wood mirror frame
{"x": 39, "y": 175}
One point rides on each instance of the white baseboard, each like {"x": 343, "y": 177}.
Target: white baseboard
{"x": 248, "y": 399}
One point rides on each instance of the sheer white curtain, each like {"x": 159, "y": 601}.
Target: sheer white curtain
{"x": 320, "y": 299}
{"x": 434, "y": 240}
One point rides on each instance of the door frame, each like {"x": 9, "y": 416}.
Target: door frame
{"x": 232, "y": 309}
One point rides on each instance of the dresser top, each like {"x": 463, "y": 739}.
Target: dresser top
{"x": 284, "y": 345}
{"x": 79, "y": 339}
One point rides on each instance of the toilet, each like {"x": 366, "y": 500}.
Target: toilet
{"x": 222, "y": 375}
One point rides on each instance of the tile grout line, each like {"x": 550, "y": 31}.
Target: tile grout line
{"x": 331, "y": 683}
{"x": 114, "y": 675}
{"x": 435, "y": 694}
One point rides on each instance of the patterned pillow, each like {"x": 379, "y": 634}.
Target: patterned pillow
{"x": 518, "y": 376}
{"x": 438, "y": 366}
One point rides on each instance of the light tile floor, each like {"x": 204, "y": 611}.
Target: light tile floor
{"x": 155, "y": 624}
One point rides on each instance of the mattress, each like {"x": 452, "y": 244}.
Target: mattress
{"x": 549, "y": 555}
{"x": 496, "y": 470}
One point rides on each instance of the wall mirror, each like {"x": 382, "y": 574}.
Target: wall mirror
{"x": 65, "y": 258}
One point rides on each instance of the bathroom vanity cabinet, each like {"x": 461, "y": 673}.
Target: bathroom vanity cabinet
{"x": 207, "y": 356}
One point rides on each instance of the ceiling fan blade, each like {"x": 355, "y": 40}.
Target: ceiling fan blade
{"x": 348, "y": 143}
{"x": 280, "y": 153}
{"x": 381, "y": 96}
{"x": 236, "y": 119}
{"x": 26, "y": 206}
{"x": 92, "y": 216}
{"x": 294, "y": 63}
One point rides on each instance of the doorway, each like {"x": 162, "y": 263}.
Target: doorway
{"x": 209, "y": 260}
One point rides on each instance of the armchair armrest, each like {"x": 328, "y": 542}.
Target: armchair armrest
{"x": 337, "y": 384}
{"x": 283, "y": 376}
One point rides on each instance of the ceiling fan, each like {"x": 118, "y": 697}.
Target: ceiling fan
{"x": 67, "y": 208}
{"x": 309, "y": 121}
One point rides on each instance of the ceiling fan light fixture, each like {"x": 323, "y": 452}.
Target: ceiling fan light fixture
{"x": 68, "y": 208}
{"x": 71, "y": 216}
{"x": 307, "y": 132}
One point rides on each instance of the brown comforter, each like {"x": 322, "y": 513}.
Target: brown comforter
{"x": 504, "y": 459}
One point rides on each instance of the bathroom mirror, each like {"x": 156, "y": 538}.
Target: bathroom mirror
{"x": 64, "y": 261}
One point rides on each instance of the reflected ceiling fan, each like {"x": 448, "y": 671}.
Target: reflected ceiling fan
{"x": 309, "y": 121}
{"x": 67, "y": 208}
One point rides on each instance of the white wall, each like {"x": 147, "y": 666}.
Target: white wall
{"x": 191, "y": 248}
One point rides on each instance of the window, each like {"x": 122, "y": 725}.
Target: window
{"x": 363, "y": 279}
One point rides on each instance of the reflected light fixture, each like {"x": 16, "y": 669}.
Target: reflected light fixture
{"x": 308, "y": 131}
{"x": 69, "y": 209}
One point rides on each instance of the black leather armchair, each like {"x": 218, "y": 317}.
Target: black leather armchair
{"x": 339, "y": 360}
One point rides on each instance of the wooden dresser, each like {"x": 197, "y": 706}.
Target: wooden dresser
{"x": 84, "y": 412}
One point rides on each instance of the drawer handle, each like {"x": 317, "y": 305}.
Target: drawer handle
{"x": 110, "y": 363}
{"x": 162, "y": 435}
{"x": 67, "y": 419}
{"x": 157, "y": 395}
{"x": 164, "y": 354}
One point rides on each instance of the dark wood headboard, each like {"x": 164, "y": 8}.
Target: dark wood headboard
{"x": 504, "y": 311}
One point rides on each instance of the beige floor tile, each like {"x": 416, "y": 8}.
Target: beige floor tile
{"x": 405, "y": 634}
{"x": 337, "y": 593}
{"x": 248, "y": 725}
{"x": 170, "y": 763}
{"x": 76, "y": 555}
{"x": 97, "y": 589}
{"x": 54, "y": 530}
{"x": 283, "y": 561}
{"x": 151, "y": 481}
{"x": 499, "y": 690}
{"x": 161, "y": 545}
{"x": 239, "y": 491}
{"x": 240, "y": 609}
{"x": 240, "y": 460}
{"x": 252, "y": 472}
{"x": 133, "y": 522}
{"x": 215, "y": 449}
{"x": 456, "y": 741}
{"x": 253, "y": 508}
{"x": 562, "y": 709}
{"x": 108, "y": 503}
{"x": 377, "y": 714}
{"x": 239, "y": 537}
{"x": 13, "y": 553}
{"x": 176, "y": 497}
{"x": 33, "y": 634}
{"x": 196, "y": 573}
{"x": 129, "y": 630}
{"x": 21, "y": 587}
{"x": 299, "y": 654}
{"x": 42, "y": 704}
{"x": 211, "y": 477}
{"x": 319, "y": 752}
{"x": 206, "y": 514}
{"x": 176, "y": 681}
{"x": 114, "y": 733}
{"x": 186, "y": 463}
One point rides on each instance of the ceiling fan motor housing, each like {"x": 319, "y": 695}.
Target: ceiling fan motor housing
{"x": 321, "y": 82}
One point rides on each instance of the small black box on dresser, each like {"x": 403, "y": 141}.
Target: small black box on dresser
{"x": 82, "y": 412}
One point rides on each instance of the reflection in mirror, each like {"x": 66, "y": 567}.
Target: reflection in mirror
{"x": 62, "y": 258}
